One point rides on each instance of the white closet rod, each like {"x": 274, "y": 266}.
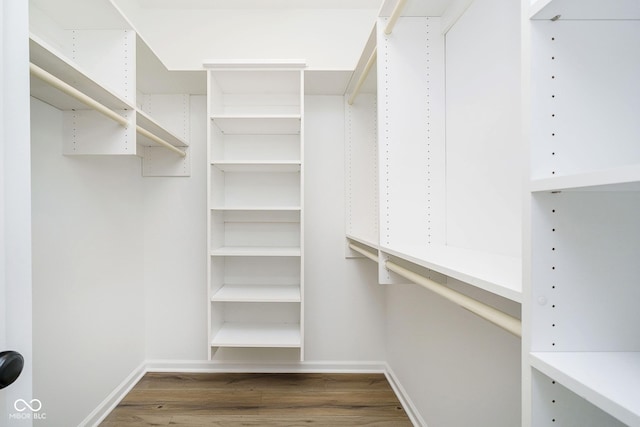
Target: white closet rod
{"x": 397, "y": 11}
{"x": 92, "y": 103}
{"x": 142, "y": 131}
{"x": 363, "y": 76}
{"x": 495, "y": 316}
{"x": 373, "y": 257}
{"x": 393, "y": 19}
{"x": 75, "y": 93}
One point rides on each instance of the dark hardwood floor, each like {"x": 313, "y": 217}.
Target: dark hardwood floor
{"x": 232, "y": 400}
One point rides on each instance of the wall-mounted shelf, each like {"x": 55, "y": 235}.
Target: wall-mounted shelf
{"x": 257, "y": 166}
{"x": 257, "y": 335}
{"x": 257, "y": 293}
{"x": 257, "y": 208}
{"x": 266, "y": 251}
{"x": 91, "y": 90}
{"x": 48, "y": 58}
{"x": 364, "y": 241}
{"x": 585, "y": 9}
{"x": 500, "y": 275}
{"x": 148, "y": 123}
{"x": 258, "y": 124}
{"x": 414, "y": 183}
{"x": 624, "y": 178}
{"x": 609, "y": 380}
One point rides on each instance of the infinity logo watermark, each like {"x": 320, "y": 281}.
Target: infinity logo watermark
{"x": 22, "y": 405}
{"x": 27, "y": 410}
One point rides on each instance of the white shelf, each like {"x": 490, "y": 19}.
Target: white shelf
{"x": 257, "y": 293}
{"x": 257, "y": 335}
{"x": 57, "y": 64}
{"x": 620, "y": 179}
{"x": 363, "y": 241}
{"x": 585, "y": 9}
{"x": 143, "y": 120}
{"x": 609, "y": 380}
{"x": 256, "y": 208}
{"x": 275, "y": 124}
{"x": 500, "y": 275}
{"x": 256, "y": 251}
{"x": 256, "y": 166}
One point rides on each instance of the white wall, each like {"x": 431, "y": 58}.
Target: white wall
{"x": 344, "y": 307}
{"x": 88, "y": 295}
{"x": 457, "y": 369}
{"x": 175, "y": 254}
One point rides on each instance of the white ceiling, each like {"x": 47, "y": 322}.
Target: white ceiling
{"x": 84, "y": 14}
{"x": 328, "y": 34}
{"x": 260, "y": 4}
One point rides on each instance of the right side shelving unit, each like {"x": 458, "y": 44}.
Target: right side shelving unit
{"x": 582, "y": 353}
{"x": 430, "y": 148}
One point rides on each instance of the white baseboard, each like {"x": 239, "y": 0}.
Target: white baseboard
{"x": 296, "y": 367}
{"x": 405, "y": 400}
{"x": 107, "y": 405}
{"x": 194, "y": 366}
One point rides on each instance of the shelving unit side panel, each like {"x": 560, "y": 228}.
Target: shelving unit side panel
{"x": 89, "y": 132}
{"x": 585, "y": 96}
{"x": 553, "y": 404}
{"x": 410, "y": 134}
{"x": 214, "y": 95}
{"x": 484, "y": 151}
{"x": 585, "y": 270}
{"x": 361, "y": 154}
{"x": 301, "y": 306}
{"x": 109, "y": 56}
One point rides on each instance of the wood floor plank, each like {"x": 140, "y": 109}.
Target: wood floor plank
{"x": 230, "y": 400}
{"x": 292, "y": 421}
{"x": 377, "y": 403}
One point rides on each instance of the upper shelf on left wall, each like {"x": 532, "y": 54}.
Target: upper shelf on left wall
{"x": 105, "y": 66}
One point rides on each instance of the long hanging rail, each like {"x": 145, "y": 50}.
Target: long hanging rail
{"x": 97, "y": 106}
{"x": 363, "y": 76}
{"x": 397, "y": 11}
{"x": 493, "y": 315}
{"x": 393, "y": 19}
{"x": 373, "y": 257}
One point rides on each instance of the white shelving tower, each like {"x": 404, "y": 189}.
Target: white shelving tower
{"x": 255, "y": 196}
{"x": 582, "y": 326}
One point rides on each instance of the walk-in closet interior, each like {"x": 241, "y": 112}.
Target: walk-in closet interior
{"x": 443, "y": 191}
